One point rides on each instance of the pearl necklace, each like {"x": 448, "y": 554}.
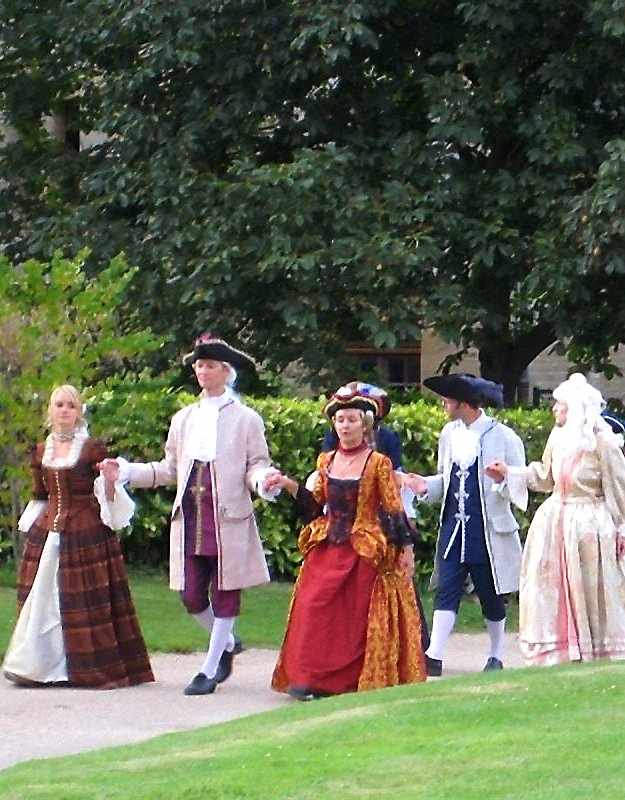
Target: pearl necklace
{"x": 63, "y": 436}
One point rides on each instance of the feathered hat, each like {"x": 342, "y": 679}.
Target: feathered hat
{"x": 356, "y": 394}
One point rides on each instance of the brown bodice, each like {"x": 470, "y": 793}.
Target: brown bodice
{"x": 68, "y": 490}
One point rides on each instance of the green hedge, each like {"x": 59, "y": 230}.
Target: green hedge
{"x": 134, "y": 419}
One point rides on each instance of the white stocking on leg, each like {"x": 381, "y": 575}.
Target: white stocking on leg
{"x": 442, "y": 625}
{"x": 496, "y": 632}
{"x": 221, "y": 639}
{"x": 205, "y": 618}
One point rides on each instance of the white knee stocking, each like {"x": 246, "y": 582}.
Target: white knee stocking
{"x": 442, "y": 625}
{"x": 205, "y": 618}
{"x": 221, "y": 639}
{"x": 496, "y": 632}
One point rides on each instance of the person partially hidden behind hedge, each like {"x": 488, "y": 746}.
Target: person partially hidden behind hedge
{"x": 354, "y": 623}
{"x": 478, "y": 535}
{"x": 77, "y": 623}
{"x": 216, "y": 454}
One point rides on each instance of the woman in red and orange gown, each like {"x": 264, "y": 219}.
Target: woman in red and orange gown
{"x": 354, "y": 623}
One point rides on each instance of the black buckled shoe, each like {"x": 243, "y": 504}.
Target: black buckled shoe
{"x": 201, "y": 685}
{"x": 224, "y": 668}
{"x": 492, "y": 664}
{"x": 433, "y": 667}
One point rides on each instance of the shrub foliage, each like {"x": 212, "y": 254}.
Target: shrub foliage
{"x": 134, "y": 418}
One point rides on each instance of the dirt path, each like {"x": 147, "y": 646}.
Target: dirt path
{"x": 39, "y": 723}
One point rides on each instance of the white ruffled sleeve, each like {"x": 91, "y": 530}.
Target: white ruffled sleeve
{"x": 311, "y": 480}
{"x": 408, "y": 500}
{"x": 117, "y": 513}
{"x": 30, "y": 514}
{"x": 516, "y": 485}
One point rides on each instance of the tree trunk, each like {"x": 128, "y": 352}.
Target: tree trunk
{"x": 504, "y": 361}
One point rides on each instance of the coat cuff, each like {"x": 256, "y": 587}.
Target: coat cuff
{"x": 434, "y": 491}
{"x": 124, "y": 470}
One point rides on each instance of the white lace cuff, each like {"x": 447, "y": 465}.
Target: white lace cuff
{"x": 30, "y": 514}
{"x": 117, "y": 513}
{"x": 408, "y": 498}
{"x": 258, "y": 477}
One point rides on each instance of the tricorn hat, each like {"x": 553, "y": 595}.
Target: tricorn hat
{"x": 616, "y": 423}
{"x": 466, "y": 388}
{"x": 357, "y": 394}
{"x": 208, "y": 345}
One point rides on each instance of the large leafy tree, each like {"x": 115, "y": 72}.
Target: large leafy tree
{"x": 304, "y": 173}
{"x": 252, "y": 163}
{"x": 525, "y": 110}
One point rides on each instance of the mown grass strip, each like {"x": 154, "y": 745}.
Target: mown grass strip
{"x": 542, "y": 733}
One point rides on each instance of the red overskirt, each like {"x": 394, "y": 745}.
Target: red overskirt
{"x": 325, "y": 644}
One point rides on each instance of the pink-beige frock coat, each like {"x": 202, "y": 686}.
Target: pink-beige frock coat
{"x": 241, "y": 453}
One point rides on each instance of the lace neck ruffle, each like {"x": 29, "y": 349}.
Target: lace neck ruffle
{"x": 71, "y": 459}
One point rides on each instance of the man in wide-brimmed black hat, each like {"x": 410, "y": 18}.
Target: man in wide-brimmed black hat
{"x": 478, "y": 536}
{"x": 216, "y": 454}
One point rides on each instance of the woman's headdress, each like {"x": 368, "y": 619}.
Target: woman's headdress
{"x": 356, "y": 394}
{"x": 584, "y": 406}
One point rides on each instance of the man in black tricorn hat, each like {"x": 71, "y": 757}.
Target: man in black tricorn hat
{"x": 216, "y": 455}
{"x": 478, "y": 536}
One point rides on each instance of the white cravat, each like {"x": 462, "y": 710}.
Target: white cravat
{"x": 465, "y": 449}
{"x": 201, "y": 444}
{"x": 465, "y": 441}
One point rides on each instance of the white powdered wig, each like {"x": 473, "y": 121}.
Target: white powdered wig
{"x": 583, "y": 416}
{"x": 232, "y": 375}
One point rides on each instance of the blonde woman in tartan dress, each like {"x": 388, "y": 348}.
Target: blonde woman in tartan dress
{"x": 76, "y": 623}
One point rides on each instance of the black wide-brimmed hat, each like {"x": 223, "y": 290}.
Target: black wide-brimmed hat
{"x": 466, "y": 388}
{"x": 354, "y": 395}
{"x": 208, "y": 345}
{"x": 616, "y": 423}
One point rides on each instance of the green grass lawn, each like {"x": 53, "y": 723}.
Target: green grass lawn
{"x": 541, "y": 734}
{"x": 168, "y": 628}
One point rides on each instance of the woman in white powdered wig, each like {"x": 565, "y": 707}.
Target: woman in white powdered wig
{"x": 572, "y": 588}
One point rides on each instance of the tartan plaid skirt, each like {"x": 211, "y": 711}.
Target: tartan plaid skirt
{"x": 103, "y": 642}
